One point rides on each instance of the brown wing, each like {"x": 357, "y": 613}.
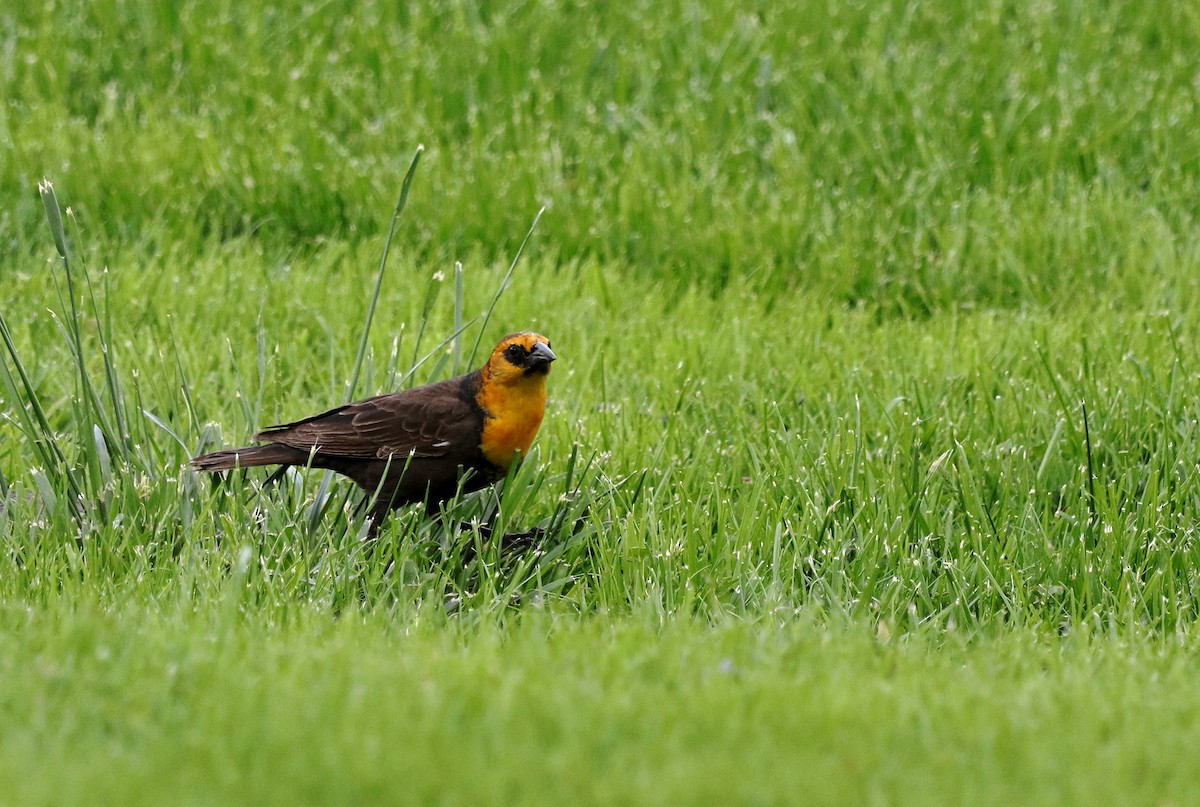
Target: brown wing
{"x": 437, "y": 420}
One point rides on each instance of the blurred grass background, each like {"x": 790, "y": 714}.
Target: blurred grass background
{"x": 913, "y": 157}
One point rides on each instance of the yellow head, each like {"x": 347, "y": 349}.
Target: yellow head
{"x": 520, "y": 358}
{"x": 513, "y": 394}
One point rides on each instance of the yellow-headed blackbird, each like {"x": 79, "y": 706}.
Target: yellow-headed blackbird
{"x": 423, "y": 444}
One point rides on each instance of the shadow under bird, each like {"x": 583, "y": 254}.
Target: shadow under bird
{"x": 419, "y": 445}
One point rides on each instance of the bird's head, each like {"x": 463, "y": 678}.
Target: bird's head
{"x": 521, "y": 358}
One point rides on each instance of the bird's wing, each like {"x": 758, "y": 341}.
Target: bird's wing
{"x": 429, "y": 421}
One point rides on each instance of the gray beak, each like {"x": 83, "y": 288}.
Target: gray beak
{"x": 540, "y": 356}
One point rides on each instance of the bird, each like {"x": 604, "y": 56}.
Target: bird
{"x": 424, "y": 444}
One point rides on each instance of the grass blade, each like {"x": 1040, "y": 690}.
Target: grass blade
{"x": 487, "y": 316}
{"x": 387, "y": 245}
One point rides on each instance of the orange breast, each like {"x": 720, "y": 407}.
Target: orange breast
{"x": 515, "y": 413}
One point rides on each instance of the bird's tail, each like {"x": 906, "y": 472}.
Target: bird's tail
{"x": 249, "y": 457}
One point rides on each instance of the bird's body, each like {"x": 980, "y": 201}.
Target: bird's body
{"x": 423, "y": 444}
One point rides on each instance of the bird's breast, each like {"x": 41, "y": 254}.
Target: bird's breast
{"x": 511, "y": 422}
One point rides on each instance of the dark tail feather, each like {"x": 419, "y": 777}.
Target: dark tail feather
{"x": 249, "y": 457}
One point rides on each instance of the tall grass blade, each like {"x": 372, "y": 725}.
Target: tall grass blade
{"x": 74, "y": 332}
{"x": 95, "y": 410}
{"x": 504, "y": 283}
{"x": 104, "y": 334}
{"x": 387, "y": 246}
{"x": 1091, "y": 470}
{"x": 458, "y": 316}
{"x": 34, "y": 422}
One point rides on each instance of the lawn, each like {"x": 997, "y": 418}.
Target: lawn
{"x": 869, "y": 472}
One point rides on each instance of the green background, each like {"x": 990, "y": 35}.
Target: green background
{"x": 870, "y": 465}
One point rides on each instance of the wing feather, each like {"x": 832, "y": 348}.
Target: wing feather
{"x": 431, "y": 421}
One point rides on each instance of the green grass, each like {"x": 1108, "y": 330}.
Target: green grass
{"x": 164, "y": 707}
{"x": 870, "y": 464}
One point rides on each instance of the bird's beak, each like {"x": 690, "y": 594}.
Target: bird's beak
{"x": 540, "y": 356}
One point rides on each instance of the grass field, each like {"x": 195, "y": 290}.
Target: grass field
{"x": 870, "y": 469}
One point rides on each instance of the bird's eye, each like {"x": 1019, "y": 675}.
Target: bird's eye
{"x": 514, "y": 353}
